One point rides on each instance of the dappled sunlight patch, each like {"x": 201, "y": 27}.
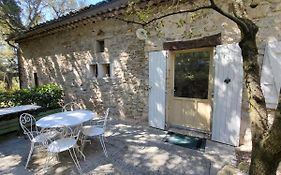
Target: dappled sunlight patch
{"x": 8, "y": 162}
{"x": 104, "y": 169}
{"x": 157, "y": 160}
{"x": 152, "y": 157}
{"x": 136, "y": 141}
{"x": 122, "y": 126}
{"x": 138, "y": 136}
{"x": 174, "y": 161}
{"x": 62, "y": 169}
{"x": 39, "y": 158}
{"x": 111, "y": 133}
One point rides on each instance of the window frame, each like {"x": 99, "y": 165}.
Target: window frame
{"x": 35, "y": 78}
{"x": 100, "y": 48}
{"x": 103, "y": 72}
{"x": 211, "y": 71}
{"x": 94, "y": 73}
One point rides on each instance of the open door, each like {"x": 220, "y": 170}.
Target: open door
{"x": 157, "y": 89}
{"x": 227, "y": 94}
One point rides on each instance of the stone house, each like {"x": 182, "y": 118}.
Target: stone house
{"x": 190, "y": 78}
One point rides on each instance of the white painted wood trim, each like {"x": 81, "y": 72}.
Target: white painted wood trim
{"x": 270, "y": 74}
{"x": 157, "y": 88}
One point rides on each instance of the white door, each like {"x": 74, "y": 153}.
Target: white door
{"x": 227, "y": 94}
{"x": 157, "y": 86}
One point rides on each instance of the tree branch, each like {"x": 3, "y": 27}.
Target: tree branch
{"x": 14, "y": 29}
{"x": 129, "y": 21}
{"x": 213, "y": 6}
{"x": 234, "y": 19}
{"x": 10, "y": 44}
{"x": 178, "y": 12}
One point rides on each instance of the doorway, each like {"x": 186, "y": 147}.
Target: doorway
{"x": 190, "y": 86}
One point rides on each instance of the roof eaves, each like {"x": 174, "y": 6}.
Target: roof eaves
{"x": 74, "y": 16}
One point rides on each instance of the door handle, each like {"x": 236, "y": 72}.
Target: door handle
{"x": 227, "y": 80}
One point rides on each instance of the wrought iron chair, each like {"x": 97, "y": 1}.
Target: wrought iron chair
{"x": 28, "y": 125}
{"x": 67, "y": 141}
{"x": 72, "y": 106}
{"x": 97, "y": 130}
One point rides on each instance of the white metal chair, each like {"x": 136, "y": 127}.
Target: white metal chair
{"x": 72, "y": 106}
{"x": 97, "y": 130}
{"x": 67, "y": 141}
{"x": 28, "y": 125}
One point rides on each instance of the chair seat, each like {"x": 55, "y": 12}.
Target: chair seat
{"x": 42, "y": 137}
{"x": 61, "y": 145}
{"x": 92, "y": 130}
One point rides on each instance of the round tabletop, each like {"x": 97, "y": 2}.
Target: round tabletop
{"x": 68, "y": 118}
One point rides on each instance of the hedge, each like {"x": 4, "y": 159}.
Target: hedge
{"x": 48, "y": 96}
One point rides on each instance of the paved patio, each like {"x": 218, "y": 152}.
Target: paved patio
{"x": 133, "y": 149}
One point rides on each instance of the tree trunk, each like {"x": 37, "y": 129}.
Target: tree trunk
{"x": 9, "y": 81}
{"x": 266, "y": 158}
{"x": 262, "y": 161}
{"x": 19, "y": 56}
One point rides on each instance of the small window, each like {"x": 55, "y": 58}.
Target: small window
{"x": 94, "y": 70}
{"x": 105, "y": 70}
{"x": 100, "y": 46}
{"x": 191, "y": 77}
{"x": 36, "y": 83}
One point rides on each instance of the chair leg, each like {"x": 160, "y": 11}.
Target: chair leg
{"x": 103, "y": 145}
{"x": 46, "y": 166}
{"x": 82, "y": 154}
{"x": 29, "y": 155}
{"x": 57, "y": 157}
{"x": 75, "y": 160}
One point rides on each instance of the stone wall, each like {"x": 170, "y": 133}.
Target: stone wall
{"x": 267, "y": 15}
{"x": 65, "y": 57}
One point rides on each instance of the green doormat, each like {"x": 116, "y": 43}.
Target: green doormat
{"x": 186, "y": 141}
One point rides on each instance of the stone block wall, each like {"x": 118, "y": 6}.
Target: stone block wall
{"x": 64, "y": 57}
{"x": 267, "y": 16}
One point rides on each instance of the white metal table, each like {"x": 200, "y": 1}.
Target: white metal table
{"x": 7, "y": 114}
{"x": 68, "y": 118}
{"x": 16, "y": 109}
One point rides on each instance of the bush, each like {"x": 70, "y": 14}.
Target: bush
{"x": 48, "y": 96}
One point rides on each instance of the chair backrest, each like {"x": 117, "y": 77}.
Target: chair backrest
{"x": 105, "y": 118}
{"x": 72, "y": 106}
{"x": 66, "y": 131}
{"x": 28, "y": 125}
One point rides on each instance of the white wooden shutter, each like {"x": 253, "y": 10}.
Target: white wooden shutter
{"x": 157, "y": 92}
{"x": 227, "y": 94}
{"x": 270, "y": 74}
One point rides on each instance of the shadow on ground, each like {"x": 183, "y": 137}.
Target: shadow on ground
{"x": 132, "y": 149}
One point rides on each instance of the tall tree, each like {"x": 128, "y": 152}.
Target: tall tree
{"x": 8, "y": 65}
{"x": 266, "y": 140}
{"x": 17, "y": 16}
{"x": 61, "y": 7}
{"x": 10, "y": 24}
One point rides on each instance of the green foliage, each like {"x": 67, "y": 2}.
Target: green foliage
{"x": 10, "y": 17}
{"x": 48, "y": 96}
{"x": 15, "y": 85}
